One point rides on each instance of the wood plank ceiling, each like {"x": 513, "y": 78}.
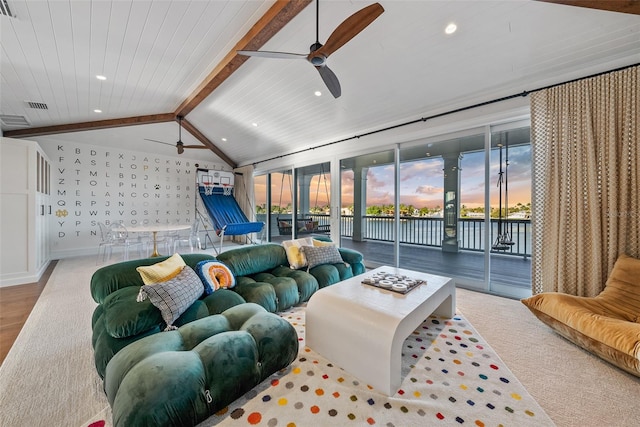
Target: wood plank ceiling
{"x": 154, "y": 51}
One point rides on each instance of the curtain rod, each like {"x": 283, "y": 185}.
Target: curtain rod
{"x": 457, "y": 110}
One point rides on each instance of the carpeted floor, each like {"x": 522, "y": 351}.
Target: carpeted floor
{"x": 48, "y": 377}
{"x": 450, "y": 377}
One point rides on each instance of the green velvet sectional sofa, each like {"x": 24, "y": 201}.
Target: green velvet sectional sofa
{"x": 183, "y": 372}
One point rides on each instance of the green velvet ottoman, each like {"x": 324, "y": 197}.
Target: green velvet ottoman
{"x": 182, "y": 377}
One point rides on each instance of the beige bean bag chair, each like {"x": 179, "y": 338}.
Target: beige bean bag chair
{"x": 607, "y": 325}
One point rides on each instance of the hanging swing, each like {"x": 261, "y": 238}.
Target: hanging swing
{"x": 316, "y": 225}
{"x": 284, "y": 224}
{"x": 503, "y": 240}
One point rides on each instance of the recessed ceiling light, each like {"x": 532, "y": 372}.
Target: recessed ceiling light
{"x": 451, "y": 28}
{"x": 317, "y": 93}
{"x": 224, "y": 139}
{"x": 101, "y": 77}
{"x": 97, "y": 111}
{"x": 255, "y": 124}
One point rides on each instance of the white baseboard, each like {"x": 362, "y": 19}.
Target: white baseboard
{"x": 20, "y": 278}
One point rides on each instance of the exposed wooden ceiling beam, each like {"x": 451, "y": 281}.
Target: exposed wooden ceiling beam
{"x": 271, "y": 22}
{"x": 99, "y": 124}
{"x": 623, "y": 6}
{"x": 200, "y": 137}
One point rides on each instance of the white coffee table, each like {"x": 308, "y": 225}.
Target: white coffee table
{"x": 361, "y": 328}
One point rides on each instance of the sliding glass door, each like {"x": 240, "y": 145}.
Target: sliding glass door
{"x": 313, "y": 210}
{"x": 510, "y": 207}
{"x": 274, "y": 198}
{"x": 457, "y": 206}
{"x": 442, "y": 207}
{"x": 463, "y": 208}
{"x": 367, "y": 208}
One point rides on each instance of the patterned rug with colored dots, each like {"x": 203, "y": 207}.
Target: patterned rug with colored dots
{"x": 450, "y": 377}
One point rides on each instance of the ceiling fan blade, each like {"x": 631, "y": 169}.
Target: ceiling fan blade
{"x": 349, "y": 28}
{"x": 159, "y": 142}
{"x": 331, "y": 80}
{"x": 195, "y": 146}
{"x": 269, "y": 54}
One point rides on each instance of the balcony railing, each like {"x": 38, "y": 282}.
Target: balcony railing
{"x": 428, "y": 231}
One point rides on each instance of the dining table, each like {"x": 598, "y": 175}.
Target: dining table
{"x": 155, "y": 229}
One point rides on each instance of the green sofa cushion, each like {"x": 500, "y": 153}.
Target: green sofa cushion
{"x": 221, "y": 300}
{"x": 260, "y": 293}
{"x": 254, "y": 259}
{"x": 112, "y": 277}
{"x": 181, "y": 377}
{"x": 124, "y": 317}
{"x": 286, "y": 291}
{"x": 307, "y": 284}
{"x": 130, "y": 320}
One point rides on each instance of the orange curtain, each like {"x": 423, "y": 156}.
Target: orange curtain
{"x": 586, "y": 181}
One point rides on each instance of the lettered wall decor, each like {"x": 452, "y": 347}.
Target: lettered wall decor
{"x": 92, "y": 184}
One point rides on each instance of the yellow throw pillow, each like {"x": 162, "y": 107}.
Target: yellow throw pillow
{"x": 294, "y": 254}
{"x": 321, "y": 243}
{"x": 162, "y": 271}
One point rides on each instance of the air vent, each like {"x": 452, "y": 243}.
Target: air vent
{"x": 14, "y": 121}
{"x": 4, "y": 8}
{"x": 37, "y": 105}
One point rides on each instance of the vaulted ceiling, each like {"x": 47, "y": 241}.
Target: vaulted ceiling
{"x": 166, "y": 58}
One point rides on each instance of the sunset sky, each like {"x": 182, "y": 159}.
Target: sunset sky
{"x": 421, "y": 182}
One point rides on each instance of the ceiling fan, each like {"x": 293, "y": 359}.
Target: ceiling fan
{"x": 319, "y": 53}
{"x": 179, "y": 145}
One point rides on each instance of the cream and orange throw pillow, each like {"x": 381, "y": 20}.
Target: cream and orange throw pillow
{"x": 214, "y": 275}
{"x": 294, "y": 254}
{"x": 162, "y": 271}
{"x": 320, "y": 243}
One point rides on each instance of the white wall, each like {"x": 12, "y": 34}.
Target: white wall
{"x": 93, "y": 183}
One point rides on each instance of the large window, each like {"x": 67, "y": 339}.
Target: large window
{"x": 457, "y": 206}
{"x": 463, "y": 208}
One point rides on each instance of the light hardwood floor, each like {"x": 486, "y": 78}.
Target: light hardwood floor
{"x": 16, "y": 303}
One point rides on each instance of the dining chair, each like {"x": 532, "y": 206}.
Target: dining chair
{"x": 106, "y": 242}
{"x": 192, "y": 238}
{"x": 115, "y": 235}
